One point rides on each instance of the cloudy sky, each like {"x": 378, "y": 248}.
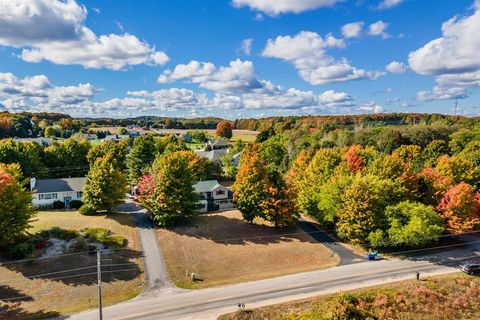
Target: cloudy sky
{"x": 239, "y": 58}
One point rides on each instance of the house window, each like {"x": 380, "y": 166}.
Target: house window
{"x": 47, "y": 196}
{"x": 221, "y": 191}
{"x": 79, "y": 194}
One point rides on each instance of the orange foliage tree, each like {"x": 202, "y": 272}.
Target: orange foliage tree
{"x": 224, "y": 129}
{"x": 460, "y": 208}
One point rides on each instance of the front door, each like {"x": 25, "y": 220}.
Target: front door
{"x": 67, "y": 200}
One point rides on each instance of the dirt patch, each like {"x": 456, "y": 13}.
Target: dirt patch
{"x": 222, "y": 249}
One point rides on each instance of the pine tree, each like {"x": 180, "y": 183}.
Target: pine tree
{"x": 140, "y": 157}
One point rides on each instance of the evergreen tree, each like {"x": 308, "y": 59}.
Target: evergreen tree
{"x": 140, "y": 157}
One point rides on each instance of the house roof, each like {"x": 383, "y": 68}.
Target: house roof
{"x": 59, "y": 185}
{"x": 213, "y": 155}
{"x": 206, "y": 186}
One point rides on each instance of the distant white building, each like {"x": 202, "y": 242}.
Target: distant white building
{"x": 213, "y": 196}
{"x": 40, "y": 140}
{"x": 45, "y": 192}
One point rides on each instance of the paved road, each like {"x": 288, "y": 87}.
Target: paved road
{"x": 346, "y": 255}
{"x": 155, "y": 269}
{"x": 209, "y": 303}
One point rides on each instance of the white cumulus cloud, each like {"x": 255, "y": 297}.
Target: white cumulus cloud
{"x": 396, "y": 67}
{"x": 54, "y": 30}
{"x": 246, "y": 46}
{"x": 379, "y": 29}
{"x": 387, "y": 4}
{"x": 307, "y": 52}
{"x": 352, "y": 30}
{"x": 276, "y": 7}
{"x": 452, "y": 58}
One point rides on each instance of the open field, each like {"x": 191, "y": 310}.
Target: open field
{"x": 446, "y": 297}
{"x": 245, "y": 135}
{"x": 43, "y": 287}
{"x": 222, "y": 249}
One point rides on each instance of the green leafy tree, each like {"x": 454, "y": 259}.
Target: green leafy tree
{"x": 116, "y": 151}
{"x": 433, "y": 151}
{"x": 168, "y": 194}
{"x": 16, "y": 210}
{"x": 105, "y": 186}
{"x": 273, "y": 151}
{"x": 410, "y": 224}
{"x": 140, "y": 157}
{"x": 363, "y": 206}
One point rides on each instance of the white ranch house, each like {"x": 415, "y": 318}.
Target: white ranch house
{"x": 45, "y": 192}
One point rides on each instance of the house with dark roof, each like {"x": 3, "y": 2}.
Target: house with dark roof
{"x": 213, "y": 196}
{"x": 46, "y": 191}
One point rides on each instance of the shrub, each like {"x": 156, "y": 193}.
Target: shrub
{"x": 80, "y": 245}
{"x": 87, "y": 210}
{"x": 105, "y": 236}
{"x": 97, "y": 234}
{"x": 63, "y": 234}
{"x": 116, "y": 241}
{"x": 75, "y": 204}
{"x": 58, "y": 205}
{"x": 20, "y": 250}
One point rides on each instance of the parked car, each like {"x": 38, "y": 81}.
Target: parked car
{"x": 471, "y": 268}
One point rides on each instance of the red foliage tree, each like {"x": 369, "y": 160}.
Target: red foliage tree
{"x": 460, "y": 207}
{"x": 224, "y": 129}
{"x": 355, "y": 161}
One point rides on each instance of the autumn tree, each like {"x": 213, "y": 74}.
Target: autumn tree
{"x": 458, "y": 169}
{"x": 278, "y": 206}
{"x": 200, "y": 167}
{"x": 363, "y": 205}
{"x": 16, "y": 210}
{"x": 408, "y": 224}
{"x": 105, "y": 186}
{"x": 167, "y": 193}
{"x": 433, "y": 151}
{"x": 251, "y": 184}
{"x": 224, "y": 129}
{"x": 460, "y": 208}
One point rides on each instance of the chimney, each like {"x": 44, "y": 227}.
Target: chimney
{"x": 33, "y": 182}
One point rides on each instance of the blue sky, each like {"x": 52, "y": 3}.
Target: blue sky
{"x": 239, "y": 58}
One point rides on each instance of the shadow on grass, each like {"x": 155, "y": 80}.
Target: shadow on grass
{"x": 81, "y": 269}
{"x": 14, "y": 311}
{"x": 11, "y": 306}
{"x": 231, "y": 231}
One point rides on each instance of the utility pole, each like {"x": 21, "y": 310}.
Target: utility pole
{"x": 456, "y": 105}
{"x": 99, "y": 281}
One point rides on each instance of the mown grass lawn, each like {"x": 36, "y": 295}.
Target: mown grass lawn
{"x": 223, "y": 249}
{"x": 45, "y": 295}
{"x": 453, "y": 297}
